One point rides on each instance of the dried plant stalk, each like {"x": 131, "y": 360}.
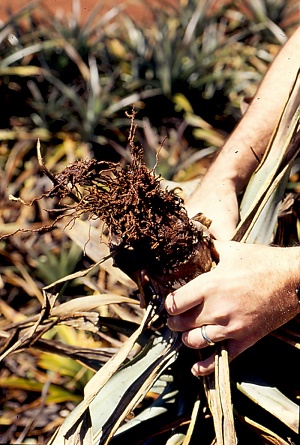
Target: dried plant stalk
{"x": 151, "y": 237}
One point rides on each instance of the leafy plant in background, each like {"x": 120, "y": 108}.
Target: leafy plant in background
{"x": 72, "y": 81}
{"x": 71, "y": 89}
{"x": 77, "y": 79}
{"x": 108, "y": 399}
{"x": 118, "y": 387}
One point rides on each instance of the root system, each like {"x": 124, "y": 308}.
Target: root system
{"x": 149, "y": 228}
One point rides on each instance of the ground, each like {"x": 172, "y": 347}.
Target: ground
{"x": 134, "y": 7}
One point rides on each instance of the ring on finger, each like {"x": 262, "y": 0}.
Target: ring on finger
{"x": 205, "y": 336}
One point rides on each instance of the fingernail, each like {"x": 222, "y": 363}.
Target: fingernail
{"x": 169, "y": 301}
{"x": 194, "y": 373}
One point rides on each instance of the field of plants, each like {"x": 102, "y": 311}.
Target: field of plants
{"x": 69, "y": 91}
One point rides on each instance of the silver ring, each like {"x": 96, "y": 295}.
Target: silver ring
{"x": 206, "y": 337}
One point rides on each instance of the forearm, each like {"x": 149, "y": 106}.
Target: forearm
{"x": 239, "y": 155}
{"x": 229, "y": 174}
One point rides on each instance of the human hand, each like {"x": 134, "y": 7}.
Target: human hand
{"x": 217, "y": 200}
{"x": 247, "y": 295}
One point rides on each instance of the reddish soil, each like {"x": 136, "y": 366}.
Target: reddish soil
{"x": 136, "y": 8}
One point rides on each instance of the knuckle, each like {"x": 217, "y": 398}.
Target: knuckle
{"x": 178, "y": 323}
{"x": 234, "y": 328}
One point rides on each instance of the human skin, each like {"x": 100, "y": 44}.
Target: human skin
{"x": 216, "y": 196}
{"x": 252, "y": 290}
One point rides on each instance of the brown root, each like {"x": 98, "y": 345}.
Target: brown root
{"x": 149, "y": 228}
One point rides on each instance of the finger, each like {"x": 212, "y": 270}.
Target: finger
{"x": 204, "y": 367}
{"x": 187, "y": 297}
{"x": 187, "y": 321}
{"x": 194, "y": 338}
{"x": 207, "y": 366}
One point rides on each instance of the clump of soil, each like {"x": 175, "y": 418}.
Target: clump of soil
{"x": 140, "y": 216}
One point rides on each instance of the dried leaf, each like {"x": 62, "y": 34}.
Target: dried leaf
{"x": 268, "y": 436}
{"x": 273, "y": 401}
{"x": 89, "y": 303}
{"x": 265, "y": 189}
{"x": 87, "y": 237}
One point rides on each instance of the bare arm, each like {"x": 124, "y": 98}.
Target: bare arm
{"x": 252, "y": 290}
{"x": 229, "y": 174}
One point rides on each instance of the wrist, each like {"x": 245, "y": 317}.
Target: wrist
{"x": 224, "y": 179}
